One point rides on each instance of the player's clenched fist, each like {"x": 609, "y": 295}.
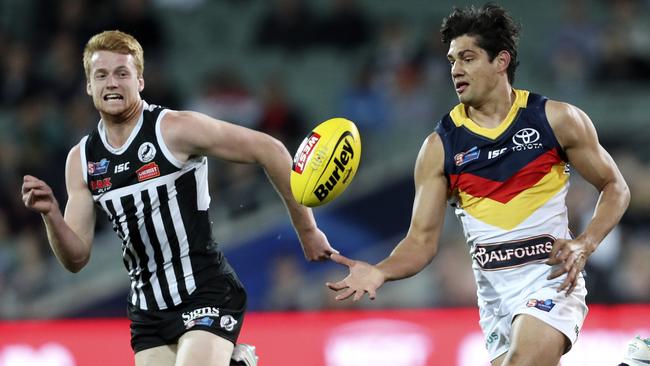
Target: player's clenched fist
{"x": 37, "y": 195}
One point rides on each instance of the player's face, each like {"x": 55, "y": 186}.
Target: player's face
{"x": 113, "y": 82}
{"x": 472, "y": 73}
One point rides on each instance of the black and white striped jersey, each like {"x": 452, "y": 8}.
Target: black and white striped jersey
{"x": 158, "y": 206}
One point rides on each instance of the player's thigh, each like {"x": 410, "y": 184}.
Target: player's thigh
{"x": 499, "y": 360}
{"x": 534, "y": 343}
{"x": 156, "y": 356}
{"x": 199, "y": 347}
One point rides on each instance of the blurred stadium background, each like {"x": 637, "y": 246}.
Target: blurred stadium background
{"x": 283, "y": 66}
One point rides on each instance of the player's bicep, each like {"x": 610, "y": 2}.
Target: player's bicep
{"x": 577, "y": 135}
{"x": 430, "y": 195}
{"x": 79, "y": 209}
{"x": 190, "y": 133}
{"x": 595, "y": 165}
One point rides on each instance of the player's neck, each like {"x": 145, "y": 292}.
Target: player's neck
{"x": 119, "y": 127}
{"x": 494, "y": 109}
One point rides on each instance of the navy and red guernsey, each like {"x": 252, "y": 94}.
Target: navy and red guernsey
{"x": 508, "y": 187}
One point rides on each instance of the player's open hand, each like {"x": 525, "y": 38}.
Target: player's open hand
{"x": 363, "y": 278}
{"x": 37, "y": 195}
{"x": 570, "y": 256}
{"x": 315, "y": 246}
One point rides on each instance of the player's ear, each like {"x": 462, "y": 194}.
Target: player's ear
{"x": 89, "y": 90}
{"x": 140, "y": 83}
{"x": 503, "y": 60}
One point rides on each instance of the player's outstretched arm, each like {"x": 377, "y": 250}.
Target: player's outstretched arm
{"x": 70, "y": 237}
{"x": 190, "y": 133}
{"x": 577, "y": 135}
{"x": 364, "y": 278}
{"x": 420, "y": 245}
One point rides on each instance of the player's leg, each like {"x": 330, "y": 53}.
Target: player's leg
{"x": 499, "y": 360}
{"x": 156, "y": 356}
{"x": 199, "y": 347}
{"x": 534, "y": 343}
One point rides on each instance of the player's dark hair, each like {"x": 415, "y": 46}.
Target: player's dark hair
{"x": 491, "y": 25}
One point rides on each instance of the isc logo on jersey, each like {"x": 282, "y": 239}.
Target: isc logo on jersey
{"x": 326, "y": 162}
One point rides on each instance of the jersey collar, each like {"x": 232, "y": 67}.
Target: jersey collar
{"x": 119, "y": 150}
{"x": 459, "y": 117}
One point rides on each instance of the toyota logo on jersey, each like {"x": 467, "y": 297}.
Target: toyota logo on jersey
{"x": 525, "y": 136}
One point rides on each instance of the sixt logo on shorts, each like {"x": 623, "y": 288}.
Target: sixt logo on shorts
{"x": 339, "y": 173}
{"x": 98, "y": 168}
{"x": 544, "y": 305}
{"x": 495, "y": 256}
{"x": 305, "y": 150}
{"x": 467, "y": 156}
{"x": 190, "y": 316}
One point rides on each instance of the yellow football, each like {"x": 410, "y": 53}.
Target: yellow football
{"x": 326, "y": 162}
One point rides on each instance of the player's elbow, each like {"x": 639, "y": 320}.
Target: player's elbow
{"x": 277, "y": 146}
{"x": 272, "y": 149}
{"x": 625, "y": 193}
{"x": 75, "y": 265}
{"x": 622, "y": 191}
{"x": 431, "y": 253}
{"x": 73, "y": 268}
{"x": 427, "y": 249}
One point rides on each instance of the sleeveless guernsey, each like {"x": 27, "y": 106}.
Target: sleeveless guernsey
{"x": 158, "y": 206}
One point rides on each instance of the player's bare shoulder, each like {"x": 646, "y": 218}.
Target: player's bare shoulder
{"x": 75, "y": 153}
{"x": 180, "y": 131}
{"x": 174, "y": 123}
{"x": 73, "y": 161}
{"x": 75, "y": 169}
{"x": 432, "y": 148}
{"x": 569, "y": 123}
{"x": 431, "y": 157}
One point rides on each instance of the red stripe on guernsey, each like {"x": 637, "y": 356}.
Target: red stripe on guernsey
{"x": 503, "y": 192}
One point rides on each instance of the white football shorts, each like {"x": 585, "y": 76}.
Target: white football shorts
{"x": 562, "y": 312}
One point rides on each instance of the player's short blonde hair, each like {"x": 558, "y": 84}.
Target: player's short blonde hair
{"x": 114, "y": 41}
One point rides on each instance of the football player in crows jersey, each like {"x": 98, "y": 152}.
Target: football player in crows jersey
{"x": 146, "y": 167}
{"x": 501, "y": 158}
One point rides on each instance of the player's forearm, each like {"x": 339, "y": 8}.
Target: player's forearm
{"x": 406, "y": 260}
{"x": 277, "y": 165}
{"x": 69, "y": 249}
{"x": 614, "y": 200}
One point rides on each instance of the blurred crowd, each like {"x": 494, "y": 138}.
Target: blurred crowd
{"x": 396, "y": 79}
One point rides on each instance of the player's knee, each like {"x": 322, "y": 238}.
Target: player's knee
{"x": 519, "y": 357}
{"x": 515, "y": 358}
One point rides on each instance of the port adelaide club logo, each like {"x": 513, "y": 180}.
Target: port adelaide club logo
{"x": 146, "y": 152}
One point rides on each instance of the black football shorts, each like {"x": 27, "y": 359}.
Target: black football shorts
{"x": 217, "y": 307}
